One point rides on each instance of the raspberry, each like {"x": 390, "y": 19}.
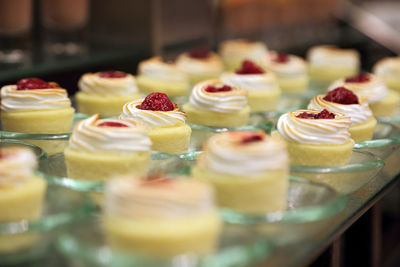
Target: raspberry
{"x": 157, "y": 102}
{"x": 111, "y": 124}
{"x": 322, "y": 115}
{"x": 361, "y": 78}
{"x": 214, "y": 89}
{"x": 281, "y": 58}
{"x": 200, "y": 53}
{"x": 32, "y": 83}
{"x": 249, "y": 67}
{"x": 112, "y": 74}
{"x": 251, "y": 138}
{"x": 342, "y": 95}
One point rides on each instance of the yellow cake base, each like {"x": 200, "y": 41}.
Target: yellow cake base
{"x": 199, "y": 77}
{"x": 393, "y": 84}
{"x": 364, "y": 131}
{"x": 387, "y": 107}
{"x": 324, "y": 75}
{"x": 254, "y": 195}
{"x": 173, "y": 140}
{"x": 172, "y": 89}
{"x": 103, "y": 105}
{"x": 164, "y": 237}
{"x": 319, "y": 154}
{"x": 263, "y": 101}
{"x": 93, "y": 166}
{"x": 293, "y": 85}
{"x": 211, "y": 118}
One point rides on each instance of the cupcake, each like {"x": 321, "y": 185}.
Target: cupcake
{"x": 99, "y": 149}
{"x": 158, "y": 76}
{"x": 200, "y": 64}
{"x": 21, "y": 194}
{"x": 35, "y": 106}
{"x": 319, "y": 138}
{"x": 106, "y": 92}
{"x": 342, "y": 100}
{"x": 262, "y": 87}
{"x": 389, "y": 70}
{"x": 213, "y": 103}
{"x": 383, "y": 102}
{"x": 327, "y": 63}
{"x": 168, "y": 131}
{"x": 249, "y": 171}
{"x": 160, "y": 217}
{"x": 291, "y": 72}
{"x": 234, "y": 52}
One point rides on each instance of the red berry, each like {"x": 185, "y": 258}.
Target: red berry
{"x": 251, "y": 138}
{"x": 112, "y": 74}
{"x": 214, "y": 89}
{"x": 281, "y": 58}
{"x": 32, "y": 83}
{"x": 111, "y": 124}
{"x": 361, "y": 78}
{"x": 342, "y": 95}
{"x": 200, "y": 53}
{"x": 155, "y": 180}
{"x": 324, "y": 114}
{"x": 157, "y": 102}
{"x": 249, "y": 67}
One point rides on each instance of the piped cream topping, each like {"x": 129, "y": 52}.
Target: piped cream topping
{"x": 388, "y": 68}
{"x": 155, "y": 68}
{"x": 89, "y": 136}
{"x": 210, "y": 65}
{"x": 94, "y": 84}
{"x": 251, "y": 82}
{"x": 314, "y": 131}
{"x": 152, "y": 118}
{"x": 294, "y": 67}
{"x": 33, "y": 99}
{"x": 16, "y": 165}
{"x": 159, "y": 198}
{"x": 330, "y": 55}
{"x": 222, "y": 102}
{"x": 229, "y": 153}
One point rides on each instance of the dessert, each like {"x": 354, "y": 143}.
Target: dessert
{"x": 21, "y": 194}
{"x": 168, "y": 131}
{"x": 200, "y": 64}
{"x": 99, "y": 149}
{"x": 35, "y": 106}
{"x": 249, "y": 171}
{"x": 213, "y": 103}
{"x": 319, "y": 138}
{"x": 106, "y": 92}
{"x": 327, "y": 63}
{"x": 234, "y": 52}
{"x": 389, "y": 70}
{"x": 160, "y": 217}
{"x": 383, "y": 102}
{"x": 344, "y": 101}
{"x": 291, "y": 72}
{"x": 262, "y": 87}
{"x": 158, "y": 76}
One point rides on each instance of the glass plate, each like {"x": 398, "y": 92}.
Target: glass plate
{"x": 62, "y": 207}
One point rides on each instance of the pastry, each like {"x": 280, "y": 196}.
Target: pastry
{"x": 249, "y": 171}
{"x": 234, "y": 52}
{"x": 327, "y": 63}
{"x": 389, "y": 70}
{"x": 158, "y": 76}
{"x": 319, "y": 138}
{"x": 160, "y": 217}
{"x": 106, "y": 92}
{"x": 213, "y": 103}
{"x": 291, "y": 72}
{"x": 168, "y": 131}
{"x": 262, "y": 87}
{"x": 383, "y": 102}
{"x": 99, "y": 149}
{"x": 344, "y": 101}
{"x": 35, "y": 106}
{"x": 200, "y": 64}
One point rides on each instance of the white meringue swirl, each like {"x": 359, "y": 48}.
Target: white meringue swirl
{"x": 88, "y": 136}
{"x": 222, "y": 102}
{"x": 94, "y": 84}
{"x": 137, "y": 198}
{"x": 294, "y": 67}
{"x": 388, "y": 67}
{"x": 36, "y": 99}
{"x": 16, "y": 165}
{"x": 152, "y": 118}
{"x": 330, "y": 55}
{"x": 244, "y": 49}
{"x": 251, "y": 82}
{"x": 212, "y": 64}
{"x": 314, "y": 131}
{"x": 155, "y": 68}
{"x": 226, "y": 153}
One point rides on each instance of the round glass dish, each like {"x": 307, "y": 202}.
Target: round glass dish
{"x": 24, "y": 241}
{"x": 86, "y": 246}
